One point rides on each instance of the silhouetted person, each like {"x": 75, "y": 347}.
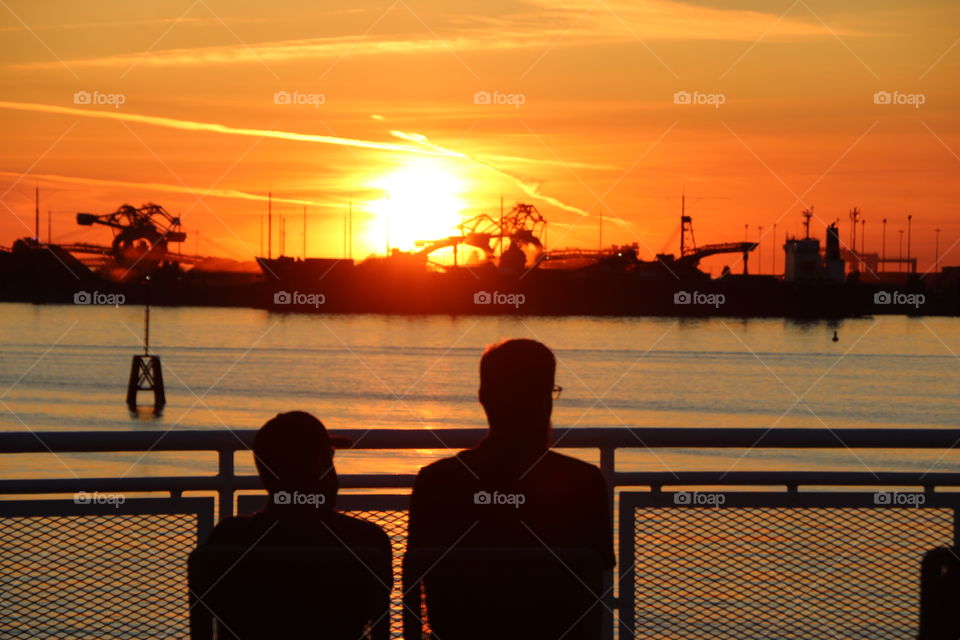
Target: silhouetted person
{"x": 512, "y": 491}
{"x": 294, "y": 458}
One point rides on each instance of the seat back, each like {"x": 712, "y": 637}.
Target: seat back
{"x": 940, "y": 595}
{"x": 530, "y": 593}
{"x": 289, "y": 592}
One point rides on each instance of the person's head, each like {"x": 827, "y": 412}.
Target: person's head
{"x": 516, "y": 390}
{"x": 293, "y": 452}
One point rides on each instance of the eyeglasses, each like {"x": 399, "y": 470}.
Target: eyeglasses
{"x": 557, "y": 390}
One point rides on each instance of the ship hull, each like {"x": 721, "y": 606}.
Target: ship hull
{"x": 394, "y": 287}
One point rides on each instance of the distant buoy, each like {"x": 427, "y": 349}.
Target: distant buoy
{"x": 835, "y": 337}
{"x": 146, "y": 373}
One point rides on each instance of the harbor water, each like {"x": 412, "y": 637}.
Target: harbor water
{"x": 65, "y": 367}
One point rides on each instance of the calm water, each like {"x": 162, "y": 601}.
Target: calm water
{"x": 65, "y": 368}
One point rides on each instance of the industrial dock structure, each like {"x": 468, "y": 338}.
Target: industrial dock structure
{"x": 507, "y": 270}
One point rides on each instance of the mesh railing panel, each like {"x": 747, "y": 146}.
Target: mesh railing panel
{"x": 782, "y": 573}
{"x": 787, "y": 573}
{"x": 103, "y": 576}
{"x": 394, "y": 523}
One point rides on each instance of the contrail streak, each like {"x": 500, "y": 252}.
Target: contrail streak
{"x": 192, "y": 125}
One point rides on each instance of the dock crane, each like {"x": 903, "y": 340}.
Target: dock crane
{"x": 522, "y": 227}
{"x": 140, "y": 235}
{"x": 691, "y": 255}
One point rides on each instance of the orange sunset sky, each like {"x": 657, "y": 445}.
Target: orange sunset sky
{"x": 423, "y": 113}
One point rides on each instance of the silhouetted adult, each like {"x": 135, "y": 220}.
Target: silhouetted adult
{"x": 294, "y": 458}
{"x": 511, "y": 491}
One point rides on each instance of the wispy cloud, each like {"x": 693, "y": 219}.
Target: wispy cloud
{"x": 536, "y": 24}
{"x": 671, "y": 20}
{"x": 122, "y": 24}
{"x": 283, "y": 51}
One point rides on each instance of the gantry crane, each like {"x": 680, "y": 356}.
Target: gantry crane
{"x": 522, "y": 227}
{"x": 140, "y": 236}
{"x": 691, "y": 255}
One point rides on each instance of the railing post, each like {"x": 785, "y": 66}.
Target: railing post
{"x": 226, "y": 476}
{"x": 626, "y": 571}
{"x": 956, "y": 527}
{"x": 608, "y": 469}
{"x": 608, "y": 464}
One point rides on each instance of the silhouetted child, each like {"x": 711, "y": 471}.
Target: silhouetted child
{"x": 294, "y": 458}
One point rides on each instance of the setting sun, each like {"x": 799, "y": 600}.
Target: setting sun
{"x": 421, "y": 200}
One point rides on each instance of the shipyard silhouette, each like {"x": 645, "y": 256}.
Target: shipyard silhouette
{"x": 500, "y": 265}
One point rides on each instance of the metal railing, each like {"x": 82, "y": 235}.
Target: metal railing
{"x": 674, "y": 579}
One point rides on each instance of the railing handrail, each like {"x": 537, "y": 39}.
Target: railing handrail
{"x": 405, "y": 481}
{"x": 584, "y": 438}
